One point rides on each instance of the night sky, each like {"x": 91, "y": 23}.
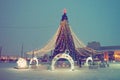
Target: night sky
{"x": 32, "y": 23}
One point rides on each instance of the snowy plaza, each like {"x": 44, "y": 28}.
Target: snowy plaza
{"x": 64, "y": 56}
{"x": 7, "y": 72}
{"x": 69, "y": 59}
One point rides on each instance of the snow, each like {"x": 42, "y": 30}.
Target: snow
{"x": 42, "y": 73}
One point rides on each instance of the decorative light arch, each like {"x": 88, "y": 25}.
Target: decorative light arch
{"x": 34, "y": 59}
{"x": 89, "y": 59}
{"x": 62, "y": 55}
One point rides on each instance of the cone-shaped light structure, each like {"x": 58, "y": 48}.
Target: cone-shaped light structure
{"x": 64, "y": 39}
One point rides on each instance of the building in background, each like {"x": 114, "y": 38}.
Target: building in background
{"x": 109, "y": 52}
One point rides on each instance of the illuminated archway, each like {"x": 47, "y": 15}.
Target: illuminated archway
{"x": 64, "y": 56}
{"x": 34, "y": 59}
{"x": 89, "y": 59}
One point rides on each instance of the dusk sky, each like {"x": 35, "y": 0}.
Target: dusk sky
{"x": 34, "y": 22}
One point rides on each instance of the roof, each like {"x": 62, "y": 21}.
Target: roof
{"x": 109, "y": 48}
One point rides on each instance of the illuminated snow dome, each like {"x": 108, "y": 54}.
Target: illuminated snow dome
{"x": 21, "y": 63}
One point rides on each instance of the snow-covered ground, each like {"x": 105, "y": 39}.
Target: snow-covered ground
{"x": 7, "y": 72}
